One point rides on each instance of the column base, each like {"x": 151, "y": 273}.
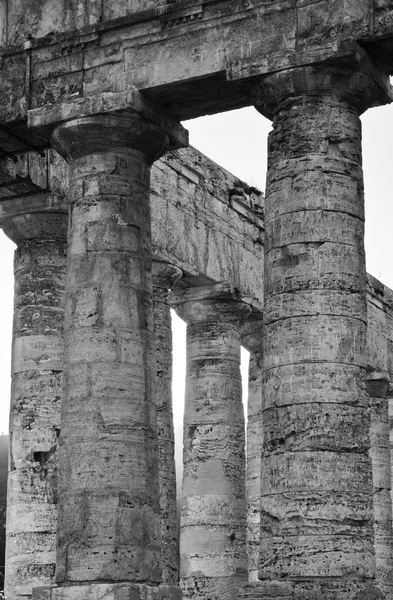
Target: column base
{"x": 108, "y": 591}
{"x": 310, "y": 590}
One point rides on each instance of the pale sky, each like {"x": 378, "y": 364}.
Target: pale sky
{"x": 237, "y": 141}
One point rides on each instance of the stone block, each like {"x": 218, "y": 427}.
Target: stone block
{"x": 306, "y": 471}
{"x": 111, "y": 591}
{"x": 315, "y": 339}
{"x": 310, "y": 590}
{"x": 37, "y": 352}
{"x": 322, "y": 20}
{"x": 306, "y": 383}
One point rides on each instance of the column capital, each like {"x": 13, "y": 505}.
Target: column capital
{"x": 104, "y": 133}
{"x": 251, "y": 335}
{"x": 357, "y": 82}
{"x": 209, "y": 303}
{"x": 39, "y": 215}
{"x": 165, "y": 275}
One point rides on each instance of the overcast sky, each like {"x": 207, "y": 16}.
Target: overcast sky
{"x": 237, "y": 141}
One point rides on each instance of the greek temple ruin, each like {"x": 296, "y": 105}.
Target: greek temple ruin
{"x": 116, "y": 221}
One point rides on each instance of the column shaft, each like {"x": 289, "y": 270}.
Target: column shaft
{"x": 36, "y": 393}
{"x": 163, "y": 278}
{"x": 316, "y": 502}
{"x": 377, "y": 385}
{"x": 252, "y": 340}
{"x": 213, "y": 559}
{"x": 108, "y": 512}
{"x": 109, "y": 541}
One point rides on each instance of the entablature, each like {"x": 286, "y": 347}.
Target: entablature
{"x": 191, "y": 57}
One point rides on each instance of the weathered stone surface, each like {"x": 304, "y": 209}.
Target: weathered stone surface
{"x": 219, "y": 195}
{"x": 381, "y": 463}
{"x": 85, "y": 58}
{"x": 252, "y": 340}
{"x": 192, "y": 57}
{"x": 213, "y": 223}
{"x": 379, "y": 344}
{"x": 379, "y": 326}
{"x": 316, "y": 508}
{"x": 109, "y": 591}
{"x": 3, "y": 502}
{"x": 213, "y": 560}
{"x": 109, "y": 522}
{"x": 36, "y": 393}
{"x": 164, "y": 277}
{"x": 310, "y": 590}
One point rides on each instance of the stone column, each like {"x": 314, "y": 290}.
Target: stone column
{"x": 164, "y": 276}
{"x": 378, "y": 387}
{"x": 38, "y": 226}
{"x": 109, "y": 515}
{"x": 316, "y": 502}
{"x": 213, "y": 560}
{"x": 252, "y": 340}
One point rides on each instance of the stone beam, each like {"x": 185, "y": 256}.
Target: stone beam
{"x": 30, "y": 174}
{"x": 213, "y": 223}
{"x": 192, "y": 57}
{"x": 379, "y": 326}
{"x": 221, "y": 215}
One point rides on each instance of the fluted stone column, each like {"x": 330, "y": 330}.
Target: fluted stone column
{"x": 164, "y": 276}
{"x": 38, "y": 226}
{"x": 213, "y": 560}
{"x": 109, "y": 543}
{"x": 378, "y": 388}
{"x": 252, "y": 340}
{"x": 317, "y": 531}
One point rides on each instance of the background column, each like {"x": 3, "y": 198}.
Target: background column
{"x": 36, "y": 393}
{"x": 213, "y": 559}
{"x": 378, "y": 388}
{"x": 252, "y": 340}
{"x": 164, "y": 276}
{"x": 317, "y": 529}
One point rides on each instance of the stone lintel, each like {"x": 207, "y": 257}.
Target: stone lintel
{"x": 108, "y": 591}
{"x": 379, "y": 293}
{"x": 36, "y": 203}
{"x": 23, "y": 174}
{"x": 151, "y": 51}
{"x": 339, "y": 51}
{"x": 342, "y": 53}
{"x": 130, "y": 102}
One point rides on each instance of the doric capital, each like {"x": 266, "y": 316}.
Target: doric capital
{"x": 209, "y": 303}
{"x": 99, "y": 134}
{"x": 251, "y": 336}
{"x": 358, "y": 83}
{"x": 42, "y": 216}
{"x": 165, "y": 275}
